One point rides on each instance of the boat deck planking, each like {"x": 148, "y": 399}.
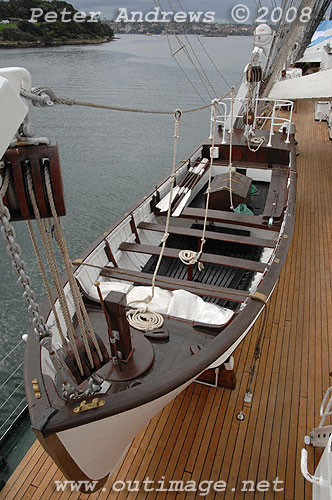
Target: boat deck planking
{"x": 197, "y": 436}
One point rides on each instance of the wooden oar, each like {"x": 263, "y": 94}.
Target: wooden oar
{"x": 184, "y": 187}
{"x": 164, "y": 203}
{"x": 196, "y": 172}
{"x": 185, "y": 197}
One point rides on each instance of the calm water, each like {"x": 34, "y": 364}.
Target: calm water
{"x": 109, "y": 159}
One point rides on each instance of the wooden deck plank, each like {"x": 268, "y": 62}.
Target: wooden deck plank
{"x": 197, "y": 437}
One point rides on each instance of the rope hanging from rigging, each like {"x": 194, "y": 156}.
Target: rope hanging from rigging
{"x": 189, "y": 257}
{"x": 230, "y": 164}
{"x": 145, "y": 319}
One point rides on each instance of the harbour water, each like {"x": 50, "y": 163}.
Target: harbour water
{"x": 109, "y": 159}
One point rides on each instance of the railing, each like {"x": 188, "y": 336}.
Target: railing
{"x": 274, "y": 117}
{"x": 320, "y": 436}
{"x": 12, "y": 398}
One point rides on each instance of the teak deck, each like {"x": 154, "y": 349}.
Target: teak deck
{"x": 197, "y": 436}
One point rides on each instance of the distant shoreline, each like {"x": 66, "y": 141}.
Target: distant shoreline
{"x": 56, "y": 43}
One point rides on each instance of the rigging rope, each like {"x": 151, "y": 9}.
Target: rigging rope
{"x": 141, "y": 318}
{"x": 46, "y": 283}
{"x": 177, "y": 119}
{"x": 192, "y": 62}
{"x": 230, "y": 165}
{"x": 207, "y": 53}
{"x": 78, "y": 301}
{"x": 190, "y": 257}
{"x": 52, "y": 264}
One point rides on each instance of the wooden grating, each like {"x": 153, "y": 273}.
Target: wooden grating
{"x": 197, "y": 436}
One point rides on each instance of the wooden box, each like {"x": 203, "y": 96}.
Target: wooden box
{"x": 220, "y": 197}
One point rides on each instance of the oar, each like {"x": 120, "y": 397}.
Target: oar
{"x": 196, "y": 172}
{"x": 183, "y": 201}
{"x": 164, "y": 203}
{"x": 184, "y": 188}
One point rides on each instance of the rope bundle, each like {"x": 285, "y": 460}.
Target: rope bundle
{"x": 144, "y": 320}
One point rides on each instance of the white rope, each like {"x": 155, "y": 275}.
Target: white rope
{"x": 255, "y": 140}
{"x": 230, "y": 165}
{"x": 144, "y": 320}
{"x": 190, "y": 257}
{"x": 177, "y": 119}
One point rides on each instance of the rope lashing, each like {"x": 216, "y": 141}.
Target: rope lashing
{"x": 144, "y": 320}
{"x": 5, "y": 184}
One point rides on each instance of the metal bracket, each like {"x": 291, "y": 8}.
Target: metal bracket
{"x": 84, "y": 406}
{"x": 319, "y": 436}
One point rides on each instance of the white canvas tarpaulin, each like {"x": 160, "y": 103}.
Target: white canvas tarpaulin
{"x": 177, "y": 303}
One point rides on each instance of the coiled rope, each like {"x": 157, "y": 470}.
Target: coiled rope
{"x": 144, "y": 320}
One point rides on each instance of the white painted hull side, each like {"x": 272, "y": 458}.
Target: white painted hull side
{"x": 98, "y": 447}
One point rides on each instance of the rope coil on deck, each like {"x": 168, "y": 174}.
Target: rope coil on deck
{"x": 144, "y": 320}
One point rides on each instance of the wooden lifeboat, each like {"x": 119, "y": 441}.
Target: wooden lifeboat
{"x": 206, "y": 312}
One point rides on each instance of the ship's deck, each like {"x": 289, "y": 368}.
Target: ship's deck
{"x": 197, "y": 437}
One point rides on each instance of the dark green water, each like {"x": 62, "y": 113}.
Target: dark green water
{"x": 109, "y": 159}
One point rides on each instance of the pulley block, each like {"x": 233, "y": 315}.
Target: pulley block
{"x": 249, "y": 117}
{"x": 254, "y": 74}
{"x": 19, "y": 160}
